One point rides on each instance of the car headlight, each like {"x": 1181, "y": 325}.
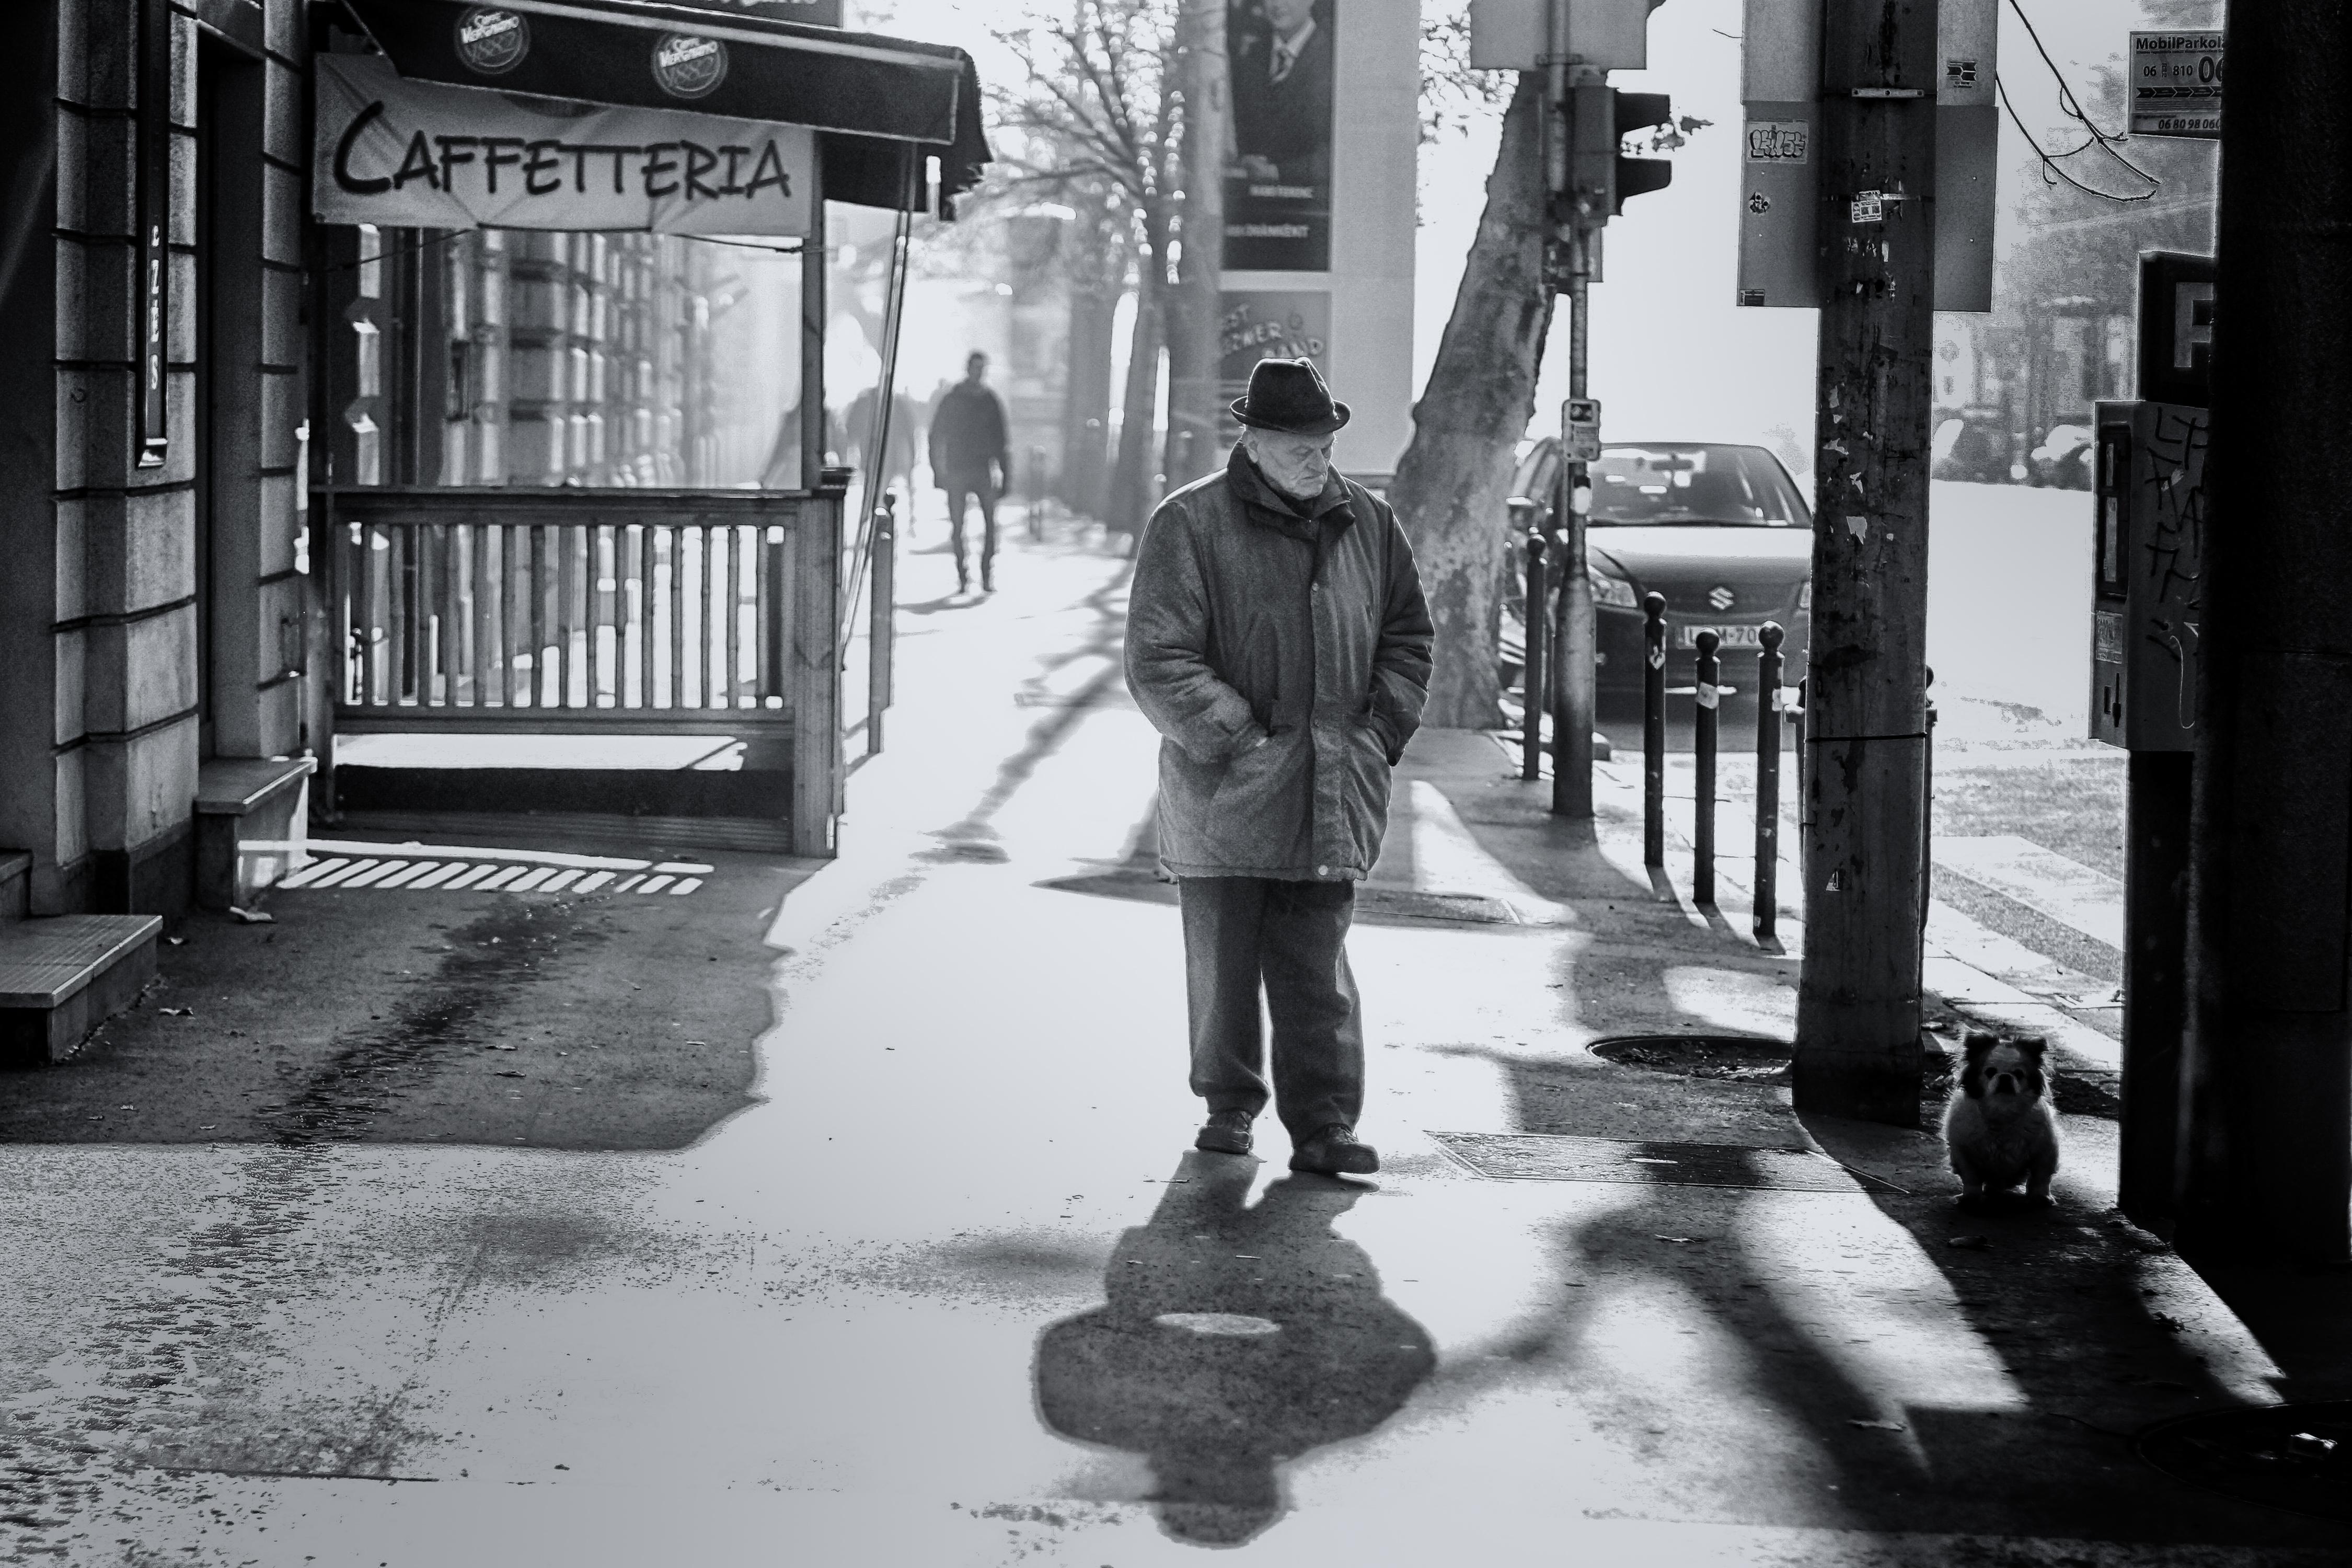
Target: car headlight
{"x": 1613, "y": 591}
{"x": 1805, "y": 595}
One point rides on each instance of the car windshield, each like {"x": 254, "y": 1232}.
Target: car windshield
{"x": 1693, "y": 486}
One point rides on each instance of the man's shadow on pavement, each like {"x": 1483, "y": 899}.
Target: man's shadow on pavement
{"x": 1232, "y": 1338}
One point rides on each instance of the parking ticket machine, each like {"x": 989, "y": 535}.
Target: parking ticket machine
{"x": 2149, "y": 519}
{"x": 2147, "y": 560}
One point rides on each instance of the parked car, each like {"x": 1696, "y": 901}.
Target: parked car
{"x": 1719, "y": 530}
{"x": 2063, "y": 460}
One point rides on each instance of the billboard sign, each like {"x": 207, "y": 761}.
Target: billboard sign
{"x": 2176, "y": 84}
{"x": 1280, "y": 54}
{"x": 1267, "y": 324}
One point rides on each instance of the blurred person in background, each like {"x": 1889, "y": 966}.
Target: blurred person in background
{"x": 971, "y": 459}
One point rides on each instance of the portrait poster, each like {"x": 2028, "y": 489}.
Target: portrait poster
{"x": 1256, "y": 325}
{"x": 1278, "y": 183}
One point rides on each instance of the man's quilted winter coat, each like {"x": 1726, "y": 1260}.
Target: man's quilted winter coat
{"x": 1282, "y": 649}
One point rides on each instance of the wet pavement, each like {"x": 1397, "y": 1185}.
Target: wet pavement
{"x": 934, "y": 1277}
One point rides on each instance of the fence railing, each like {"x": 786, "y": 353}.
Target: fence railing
{"x": 571, "y": 611}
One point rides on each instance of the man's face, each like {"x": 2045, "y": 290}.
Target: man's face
{"x": 1294, "y": 464}
{"x": 975, "y": 367}
{"x": 1287, "y": 17}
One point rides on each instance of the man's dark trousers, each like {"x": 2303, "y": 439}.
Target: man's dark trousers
{"x": 961, "y": 488}
{"x": 1291, "y": 937}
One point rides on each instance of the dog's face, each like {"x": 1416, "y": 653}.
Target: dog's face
{"x": 1997, "y": 1068}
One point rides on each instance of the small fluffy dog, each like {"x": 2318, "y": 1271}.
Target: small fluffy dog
{"x": 2000, "y": 1129}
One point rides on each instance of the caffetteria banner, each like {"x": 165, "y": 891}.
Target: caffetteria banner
{"x": 404, "y": 153}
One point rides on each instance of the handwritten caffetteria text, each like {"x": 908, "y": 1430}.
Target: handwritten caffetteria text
{"x": 547, "y": 166}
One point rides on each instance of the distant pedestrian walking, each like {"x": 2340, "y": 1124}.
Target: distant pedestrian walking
{"x": 1277, "y": 639}
{"x": 971, "y": 457}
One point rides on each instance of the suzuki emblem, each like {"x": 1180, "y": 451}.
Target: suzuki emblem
{"x": 1721, "y": 598}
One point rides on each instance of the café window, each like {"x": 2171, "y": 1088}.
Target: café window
{"x": 503, "y": 357}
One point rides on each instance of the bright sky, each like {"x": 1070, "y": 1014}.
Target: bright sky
{"x": 1671, "y": 355}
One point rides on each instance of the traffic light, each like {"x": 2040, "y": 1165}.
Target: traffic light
{"x": 1600, "y": 179}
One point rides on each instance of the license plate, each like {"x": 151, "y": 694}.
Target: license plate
{"x": 1733, "y": 637}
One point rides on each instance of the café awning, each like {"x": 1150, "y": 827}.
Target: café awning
{"x": 880, "y": 107}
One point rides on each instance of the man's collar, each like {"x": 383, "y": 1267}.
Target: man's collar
{"x": 1257, "y": 490}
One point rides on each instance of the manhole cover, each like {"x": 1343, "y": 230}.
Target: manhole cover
{"x": 1558, "y": 1157}
{"x": 2294, "y": 1456}
{"x": 1736, "y": 1057}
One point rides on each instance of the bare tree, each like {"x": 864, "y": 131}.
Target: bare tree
{"x": 1450, "y": 484}
{"x": 1100, "y": 107}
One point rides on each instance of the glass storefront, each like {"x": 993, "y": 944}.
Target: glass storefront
{"x": 512, "y": 357}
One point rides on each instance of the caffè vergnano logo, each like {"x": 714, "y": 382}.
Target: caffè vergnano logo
{"x": 492, "y": 41}
{"x": 687, "y": 65}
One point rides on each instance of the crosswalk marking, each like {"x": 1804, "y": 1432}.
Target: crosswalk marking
{"x": 506, "y": 872}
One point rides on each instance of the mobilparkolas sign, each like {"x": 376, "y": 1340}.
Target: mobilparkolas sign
{"x": 404, "y": 153}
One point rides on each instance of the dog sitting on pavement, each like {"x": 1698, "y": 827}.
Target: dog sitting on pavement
{"x": 2000, "y": 1129}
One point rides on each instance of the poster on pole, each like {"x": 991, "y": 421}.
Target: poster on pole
{"x": 2176, "y": 85}
{"x": 1256, "y": 324}
{"x": 1278, "y": 181}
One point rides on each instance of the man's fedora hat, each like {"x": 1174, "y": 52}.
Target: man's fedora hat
{"x": 1289, "y": 394}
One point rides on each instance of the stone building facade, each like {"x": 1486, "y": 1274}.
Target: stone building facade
{"x": 151, "y": 617}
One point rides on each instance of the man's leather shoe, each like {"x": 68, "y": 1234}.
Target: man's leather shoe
{"x": 1335, "y": 1151}
{"x": 1226, "y": 1132}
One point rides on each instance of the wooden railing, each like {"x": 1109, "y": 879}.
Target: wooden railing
{"x": 582, "y": 611}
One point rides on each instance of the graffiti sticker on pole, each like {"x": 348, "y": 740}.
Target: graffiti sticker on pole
{"x": 2176, "y": 84}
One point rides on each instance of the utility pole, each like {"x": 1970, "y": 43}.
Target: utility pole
{"x": 1195, "y": 305}
{"x": 1571, "y": 684}
{"x": 2269, "y": 1071}
{"x": 1857, "y": 1048}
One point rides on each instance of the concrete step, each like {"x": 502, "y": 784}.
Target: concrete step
{"x": 63, "y": 975}
{"x": 16, "y": 884}
{"x": 252, "y": 814}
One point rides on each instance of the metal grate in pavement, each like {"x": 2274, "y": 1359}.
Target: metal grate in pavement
{"x": 1558, "y": 1157}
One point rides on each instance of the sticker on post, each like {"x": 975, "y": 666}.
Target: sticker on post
{"x": 1870, "y": 206}
{"x": 1779, "y": 141}
{"x": 1579, "y": 424}
{"x": 1708, "y": 696}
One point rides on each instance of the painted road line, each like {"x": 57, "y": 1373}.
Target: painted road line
{"x": 2044, "y": 881}
{"x": 313, "y": 871}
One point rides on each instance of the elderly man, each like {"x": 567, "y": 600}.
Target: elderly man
{"x": 1277, "y": 639}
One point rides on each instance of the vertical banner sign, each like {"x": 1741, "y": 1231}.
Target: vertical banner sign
{"x": 1781, "y": 80}
{"x": 1967, "y": 146}
{"x": 152, "y": 213}
{"x": 1264, "y": 324}
{"x": 1278, "y": 185}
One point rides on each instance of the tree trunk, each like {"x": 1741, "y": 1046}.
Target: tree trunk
{"x": 1194, "y": 306}
{"x": 1131, "y": 490}
{"x": 1451, "y": 484}
{"x": 1097, "y": 264}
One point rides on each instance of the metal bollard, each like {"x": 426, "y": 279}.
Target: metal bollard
{"x": 1653, "y": 730}
{"x": 1539, "y": 629}
{"x": 1797, "y": 717}
{"x": 881, "y": 605}
{"x": 1769, "y": 721}
{"x": 1706, "y": 733}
